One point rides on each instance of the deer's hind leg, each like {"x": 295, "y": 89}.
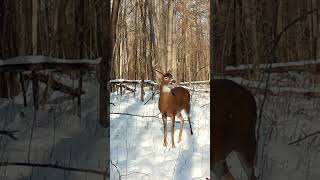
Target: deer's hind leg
{"x": 181, "y": 126}
{"x": 172, "y": 130}
{"x": 188, "y": 113}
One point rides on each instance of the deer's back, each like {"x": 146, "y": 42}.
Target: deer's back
{"x": 234, "y": 114}
{"x": 174, "y": 101}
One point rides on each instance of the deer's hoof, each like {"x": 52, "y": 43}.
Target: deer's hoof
{"x": 173, "y": 146}
{"x": 165, "y": 144}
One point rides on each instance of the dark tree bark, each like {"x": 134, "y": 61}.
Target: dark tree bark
{"x": 114, "y": 19}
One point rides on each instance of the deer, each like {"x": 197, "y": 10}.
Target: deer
{"x": 233, "y": 128}
{"x": 173, "y": 100}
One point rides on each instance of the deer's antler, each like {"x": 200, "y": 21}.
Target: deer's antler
{"x": 159, "y": 72}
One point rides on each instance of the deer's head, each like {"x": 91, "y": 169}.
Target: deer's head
{"x": 167, "y": 79}
{"x": 167, "y": 82}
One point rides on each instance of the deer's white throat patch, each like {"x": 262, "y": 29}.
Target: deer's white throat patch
{"x": 167, "y": 88}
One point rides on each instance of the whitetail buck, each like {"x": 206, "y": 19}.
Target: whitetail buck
{"x": 233, "y": 128}
{"x": 171, "y": 103}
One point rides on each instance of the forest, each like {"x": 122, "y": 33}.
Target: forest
{"x": 81, "y": 83}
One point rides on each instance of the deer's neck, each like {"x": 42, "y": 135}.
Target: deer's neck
{"x": 165, "y": 91}
{"x": 166, "y": 88}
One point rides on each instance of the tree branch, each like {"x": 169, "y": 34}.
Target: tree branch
{"x": 10, "y": 134}
{"x": 128, "y": 114}
{"x": 303, "y": 138}
{"x": 293, "y": 22}
{"x": 54, "y": 166}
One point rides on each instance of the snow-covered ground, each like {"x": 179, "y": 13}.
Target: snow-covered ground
{"x": 137, "y": 150}
{"x": 59, "y": 136}
{"x": 284, "y": 120}
{"x": 136, "y": 143}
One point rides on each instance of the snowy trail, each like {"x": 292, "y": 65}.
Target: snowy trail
{"x": 137, "y": 142}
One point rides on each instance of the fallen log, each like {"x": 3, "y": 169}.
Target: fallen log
{"x": 9, "y": 134}
{"x": 297, "y": 66}
{"x": 126, "y": 87}
{"x": 55, "y": 85}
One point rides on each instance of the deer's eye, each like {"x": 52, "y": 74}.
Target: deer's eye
{"x": 166, "y": 78}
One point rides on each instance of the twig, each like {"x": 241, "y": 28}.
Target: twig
{"x": 153, "y": 94}
{"x": 137, "y": 173}
{"x": 116, "y": 169}
{"x": 10, "y": 134}
{"x": 128, "y": 114}
{"x": 54, "y": 166}
{"x": 303, "y": 138}
{"x": 201, "y": 69}
{"x": 293, "y": 22}
{"x": 205, "y": 105}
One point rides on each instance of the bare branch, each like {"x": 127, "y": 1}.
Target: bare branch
{"x": 128, "y": 114}
{"x": 54, "y": 166}
{"x": 10, "y": 134}
{"x": 293, "y": 22}
{"x": 304, "y": 138}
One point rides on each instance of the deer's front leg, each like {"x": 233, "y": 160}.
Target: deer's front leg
{"x": 164, "y": 119}
{"x": 172, "y": 130}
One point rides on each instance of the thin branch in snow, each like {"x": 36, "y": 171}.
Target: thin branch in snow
{"x": 303, "y": 138}
{"x": 205, "y": 105}
{"x": 137, "y": 173}
{"x": 113, "y": 164}
{"x": 10, "y": 134}
{"x": 128, "y": 114}
{"x": 54, "y": 166}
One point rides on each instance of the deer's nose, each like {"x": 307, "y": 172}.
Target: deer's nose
{"x": 173, "y": 81}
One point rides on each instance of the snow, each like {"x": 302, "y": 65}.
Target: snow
{"x": 286, "y": 119}
{"x": 275, "y": 65}
{"x": 137, "y": 149}
{"x": 136, "y": 142}
{"x": 43, "y": 59}
{"x": 59, "y": 137}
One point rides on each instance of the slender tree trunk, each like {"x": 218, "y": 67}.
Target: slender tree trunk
{"x": 162, "y": 38}
{"x": 35, "y": 10}
{"x": 170, "y": 57}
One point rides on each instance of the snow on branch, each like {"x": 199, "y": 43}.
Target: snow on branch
{"x": 136, "y": 115}
{"x": 258, "y": 87}
{"x": 118, "y": 81}
{"x": 32, "y": 63}
{"x": 44, "y": 59}
{"x": 275, "y": 67}
{"x": 195, "y": 82}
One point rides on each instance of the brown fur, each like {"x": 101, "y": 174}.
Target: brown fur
{"x": 171, "y": 104}
{"x": 233, "y": 128}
